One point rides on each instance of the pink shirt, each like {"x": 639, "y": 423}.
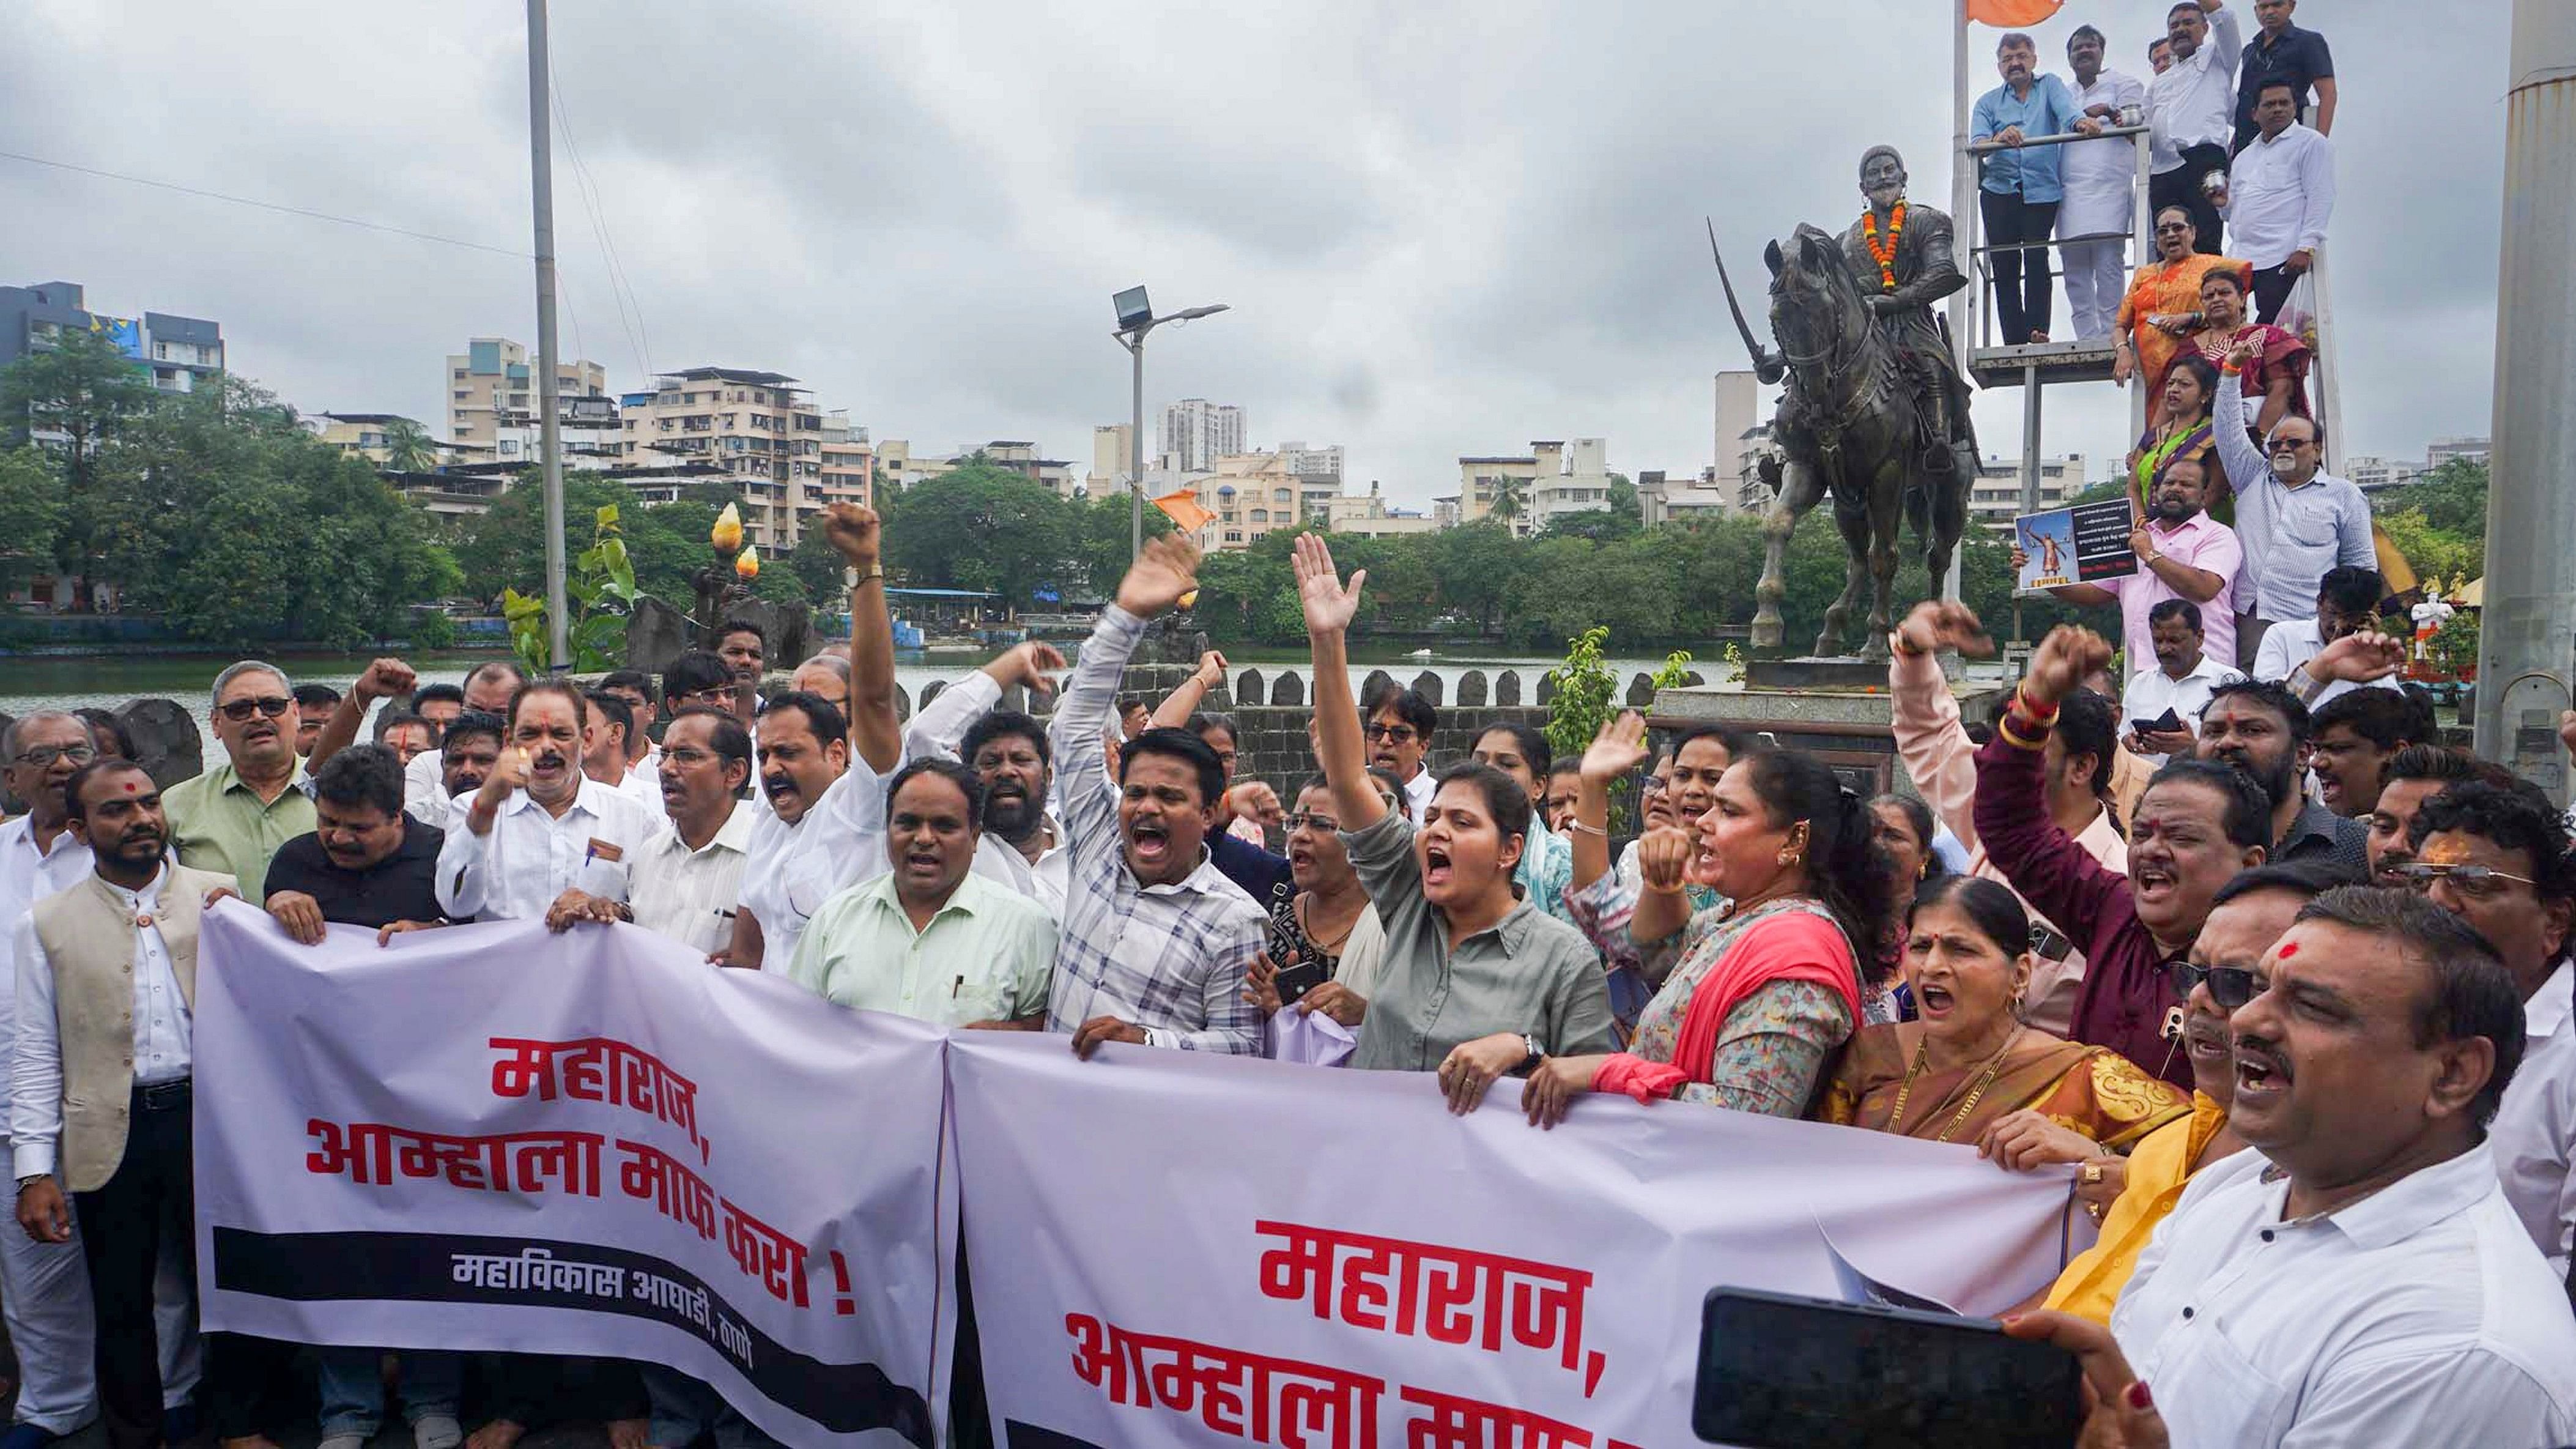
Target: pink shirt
{"x": 2204, "y": 543}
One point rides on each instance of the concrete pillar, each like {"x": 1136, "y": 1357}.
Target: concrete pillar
{"x": 2527, "y": 648}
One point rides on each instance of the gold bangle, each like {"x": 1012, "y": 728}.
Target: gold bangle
{"x": 1587, "y": 829}
{"x": 1898, "y": 644}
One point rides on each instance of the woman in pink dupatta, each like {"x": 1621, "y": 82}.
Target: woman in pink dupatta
{"x": 1768, "y": 986}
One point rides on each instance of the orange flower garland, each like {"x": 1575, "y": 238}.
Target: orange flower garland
{"x": 1884, "y": 256}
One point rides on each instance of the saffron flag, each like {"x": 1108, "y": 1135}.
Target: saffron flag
{"x": 1184, "y": 510}
{"x": 2005, "y": 14}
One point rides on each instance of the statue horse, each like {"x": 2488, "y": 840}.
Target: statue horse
{"x": 1851, "y": 427}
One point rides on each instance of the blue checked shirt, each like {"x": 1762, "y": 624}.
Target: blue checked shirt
{"x": 1170, "y": 958}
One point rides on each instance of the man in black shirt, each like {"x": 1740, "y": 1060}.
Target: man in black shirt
{"x": 2281, "y": 53}
{"x": 369, "y": 864}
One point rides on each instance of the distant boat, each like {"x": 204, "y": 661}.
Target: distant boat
{"x": 1419, "y": 654}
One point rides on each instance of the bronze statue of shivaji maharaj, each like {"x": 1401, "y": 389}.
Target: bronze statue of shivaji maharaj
{"x": 1875, "y": 413}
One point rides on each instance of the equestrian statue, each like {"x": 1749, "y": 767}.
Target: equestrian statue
{"x": 1875, "y": 413}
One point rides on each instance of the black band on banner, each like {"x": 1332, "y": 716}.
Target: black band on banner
{"x": 538, "y": 1273}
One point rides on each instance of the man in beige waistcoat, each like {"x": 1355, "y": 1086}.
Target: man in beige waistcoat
{"x": 106, "y": 981}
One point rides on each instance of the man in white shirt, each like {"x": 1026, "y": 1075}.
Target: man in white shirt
{"x": 2360, "y": 1277}
{"x": 2347, "y": 602}
{"x": 2497, "y": 859}
{"x": 688, "y": 878}
{"x": 806, "y": 777}
{"x": 1399, "y": 729}
{"x": 1009, "y": 752}
{"x": 2100, "y": 181}
{"x": 488, "y": 690}
{"x": 607, "y": 758}
{"x": 540, "y": 839}
{"x": 2182, "y": 682}
{"x": 2191, "y": 110}
{"x": 2279, "y": 198}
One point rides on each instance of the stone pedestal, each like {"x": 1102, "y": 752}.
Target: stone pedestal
{"x": 1847, "y": 727}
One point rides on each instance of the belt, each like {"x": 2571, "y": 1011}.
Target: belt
{"x": 162, "y": 1096}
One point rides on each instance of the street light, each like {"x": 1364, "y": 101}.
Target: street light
{"x": 1135, "y": 319}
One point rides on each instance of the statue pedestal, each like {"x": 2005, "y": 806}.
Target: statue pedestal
{"x": 1834, "y": 709}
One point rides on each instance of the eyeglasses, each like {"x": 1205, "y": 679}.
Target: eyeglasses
{"x": 2229, "y": 986}
{"x": 1307, "y": 820}
{"x": 2294, "y": 442}
{"x": 42, "y": 757}
{"x": 720, "y": 695}
{"x": 2170, "y": 228}
{"x": 1392, "y": 733}
{"x": 242, "y": 709}
{"x": 2478, "y": 882}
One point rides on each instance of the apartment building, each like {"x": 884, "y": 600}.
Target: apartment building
{"x": 180, "y": 353}
{"x": 848, "y": 472}
{"x": 492, "y": 404}
{"x": 1197, "y": 432}
{"x": 1251, "y": 494}
{"x": 1994, "y": 500}
{"x": 1529, "y": 491}
{"x": 758, "y": 427}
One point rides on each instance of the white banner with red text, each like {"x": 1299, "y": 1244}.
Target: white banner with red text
{"x": 492, "y": 1138}
{"x": 1170, "y": 1249}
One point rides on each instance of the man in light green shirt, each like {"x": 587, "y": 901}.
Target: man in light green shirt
{"x": 232, "y": 818}
{"x": 930, "y": 939}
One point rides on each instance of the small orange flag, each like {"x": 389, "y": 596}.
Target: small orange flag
{"x": 1184, "y": 511}
{"x": 2005, "y": 14}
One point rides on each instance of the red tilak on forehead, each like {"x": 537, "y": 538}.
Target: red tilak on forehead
{"x": 133, "y": 789}
{"x": 2290, "y": 950}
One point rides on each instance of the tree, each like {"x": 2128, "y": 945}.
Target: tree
{"x": 1473, "y": 567}
{"x": 983, "y": 528}
{"x": 408, "y": 448}
{"x": 1624, "y": 500}
{"x": 31, "y": 516}
{"x": 815, "y": 565}
{"x": 1101, "y": 545}
{"x": 76, "y": 398}
{"x": 1508, "y": 497}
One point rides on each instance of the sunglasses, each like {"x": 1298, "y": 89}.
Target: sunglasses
{"x": 2229, "y": 986}
{"x": 2170, "y": 228}
{"x": 2478, "y": 882}
{"x": 42, "y": 757}
{"x": 242, "y": 709}
{"x": 1307, "y": 820}
{"x": 1397, "y": 734}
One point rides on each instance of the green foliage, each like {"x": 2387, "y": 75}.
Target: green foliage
{"x": 226, "y": 518}
{"x": 32, "y": 512}
{"x": 1676, "y": 671}
{"x": 984, "y": 528}
{"x": 1586, "y": 692}
{"x": 815, "y": 565}
{"x": 2440, "y": 522}
{"x": 432, "y": 630}
{"x": 2454, "y": 646}
{"x": 81, "y": 395}
{"x": 599, "y": 592}
{"x": 408, "y": 448}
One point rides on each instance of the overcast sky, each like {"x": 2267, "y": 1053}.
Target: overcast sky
{"x": 1444, "y": 228}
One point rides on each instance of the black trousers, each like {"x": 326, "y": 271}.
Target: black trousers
{"x": 148, "y": 1208}
{"x": 2272, "y": 288}
{"x": 2181, "y": 187}
{"x": 2022, "y": 278}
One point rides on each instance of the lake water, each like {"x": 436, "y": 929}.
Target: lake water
{"x": 110, "y": 681}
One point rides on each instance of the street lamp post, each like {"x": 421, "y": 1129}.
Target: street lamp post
{"x": 1135, "y": 319}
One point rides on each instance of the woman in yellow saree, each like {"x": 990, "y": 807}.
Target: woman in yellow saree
{"x": 1968, "y": 1069}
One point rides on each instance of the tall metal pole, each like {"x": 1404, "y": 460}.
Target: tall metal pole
{"x": 1963, "y": 201}
{"x": 541, "y": 175}
{"x": 1136, "y": 452}
{"x": 2524, "y": 651}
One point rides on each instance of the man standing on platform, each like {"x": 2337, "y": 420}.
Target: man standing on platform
{"x": 2192, "y": 109}
{"x": 2279, "y": 199}
{"x": 2295, "y": 520}
{"x": 2281, "y": 51}
{"x": 2019, "y": 190}
{"x": 2100, "y": 182}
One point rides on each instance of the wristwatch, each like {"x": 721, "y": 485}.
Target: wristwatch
{"x": 875, "y": 571}
{"x": 1155, "y": 1038}
{"x": 32, "y": 1178}
{"x": 1530, "y": 1062}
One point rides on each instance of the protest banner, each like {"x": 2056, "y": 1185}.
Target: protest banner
{"x": 494, "y": 1138}
{"x": 2085, "y": 544}
{"x": 1175, "y": 1250}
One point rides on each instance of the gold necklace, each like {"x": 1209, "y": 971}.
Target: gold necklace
{"x": 1922, "y": 1058}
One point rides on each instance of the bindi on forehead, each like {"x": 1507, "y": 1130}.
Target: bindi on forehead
{"x": 2289, "y": 949}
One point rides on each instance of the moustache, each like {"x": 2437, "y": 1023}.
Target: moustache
{"x": 778, "y": 786}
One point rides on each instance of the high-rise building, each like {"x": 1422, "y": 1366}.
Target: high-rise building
{"x": 492, "y": 404}
{"x": 1251, "y": 494}
{"x": 1739, "y": 400}
{"x": 757, "y": 426}
{"x": 180, "y": 353}
{"x": 848, "y": 473}
{"x": 1197, "y": 432}
{"x": 2446, "y": 450}
{"x": 1532, "y": 490}
{"x": 1111, "y": 458}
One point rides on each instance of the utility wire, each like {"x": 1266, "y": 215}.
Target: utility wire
{"x": 265, "y": 205}
{"x": 639, "y": 338}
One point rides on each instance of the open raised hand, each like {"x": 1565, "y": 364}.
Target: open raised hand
{"x": 1619, "y": 748}
{"x": 1167, "y": 569}
{"x": 1330, "y": 606}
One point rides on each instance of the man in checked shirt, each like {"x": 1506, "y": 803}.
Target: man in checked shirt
{"x": 1155, "y": 940}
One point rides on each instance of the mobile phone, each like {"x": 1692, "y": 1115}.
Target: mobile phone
{"x": 1784, "y": 1372}
{"x": 2165, "y": 724}
{"x": 1298, "y": 978}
